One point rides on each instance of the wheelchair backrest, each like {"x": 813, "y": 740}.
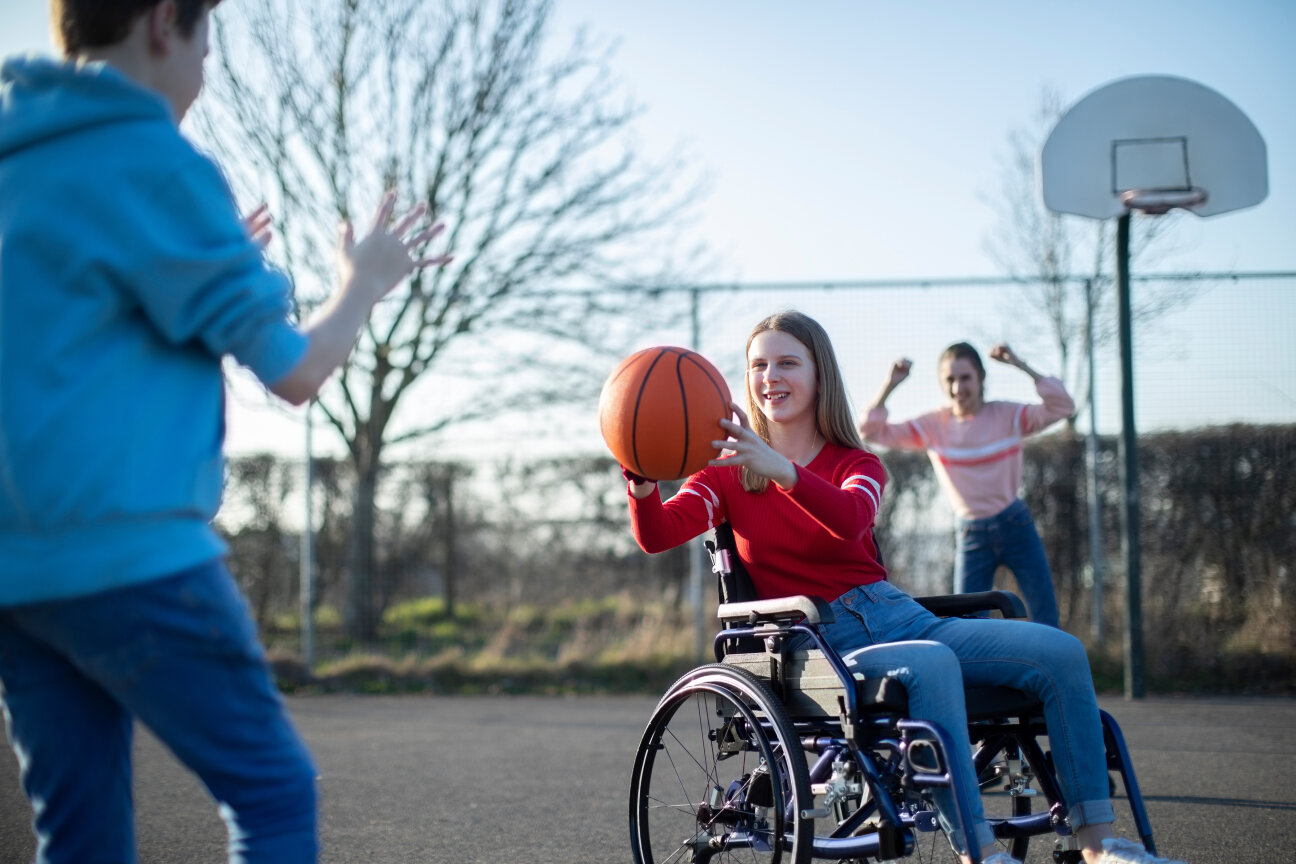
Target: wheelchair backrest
{"x": 739, "y": 604}
{"x": 733, "y": 583}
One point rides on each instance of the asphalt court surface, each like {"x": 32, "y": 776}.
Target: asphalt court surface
{"x": 541, "y": 779}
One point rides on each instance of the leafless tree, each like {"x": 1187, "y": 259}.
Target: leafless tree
{"x": 257, "y": 488}
{"x": 526, "y": 152}
{"x": 1053, "y": 254}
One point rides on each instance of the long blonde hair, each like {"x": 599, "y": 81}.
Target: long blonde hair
{"x": 832, "y": 407}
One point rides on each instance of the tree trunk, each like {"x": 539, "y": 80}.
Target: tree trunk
{"x": 361, "y": 618}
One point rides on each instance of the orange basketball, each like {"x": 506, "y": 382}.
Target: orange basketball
{"x": 660, "y": 410}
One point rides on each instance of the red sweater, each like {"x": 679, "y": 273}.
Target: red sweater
{"x": 816, "y": 539}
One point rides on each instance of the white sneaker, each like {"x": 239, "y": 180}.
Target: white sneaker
{"x": 1118, "y": 850}
{"x": 1000, "y": 858}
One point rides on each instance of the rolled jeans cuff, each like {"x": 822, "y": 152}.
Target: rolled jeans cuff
{"x": 1091, "y": 813}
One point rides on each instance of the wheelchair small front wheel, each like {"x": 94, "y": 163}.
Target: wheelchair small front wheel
{"x": 720, "y": 776}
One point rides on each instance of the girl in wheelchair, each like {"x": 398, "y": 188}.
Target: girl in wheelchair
{"x": 801, "y": 494}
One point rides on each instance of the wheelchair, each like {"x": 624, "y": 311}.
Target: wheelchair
{"x": 772, "y": 754}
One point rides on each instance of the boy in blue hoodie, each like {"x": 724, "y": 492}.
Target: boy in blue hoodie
{"x": 126, "y": 275}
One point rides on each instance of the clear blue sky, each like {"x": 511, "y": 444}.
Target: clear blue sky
{"x": 859, "y": 140}
{"x": 853, "y": 139}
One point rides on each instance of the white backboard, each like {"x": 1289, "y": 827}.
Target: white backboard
{"x": 1153, "y": 137}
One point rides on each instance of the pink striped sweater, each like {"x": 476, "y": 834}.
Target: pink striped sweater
{"x": 978, "y": 459}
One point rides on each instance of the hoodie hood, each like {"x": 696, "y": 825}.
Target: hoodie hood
{"x": 42, "y": 99}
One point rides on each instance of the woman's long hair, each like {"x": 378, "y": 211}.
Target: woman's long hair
{"x": 833, "y": 415}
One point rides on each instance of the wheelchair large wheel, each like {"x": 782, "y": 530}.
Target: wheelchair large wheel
{"x": 719, "y": 776}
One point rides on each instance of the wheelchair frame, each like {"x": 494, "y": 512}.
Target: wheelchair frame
{"x": 866, "y": 794}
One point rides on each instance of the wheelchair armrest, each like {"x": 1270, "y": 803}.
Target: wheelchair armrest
{"x": 815, "y": 610}
{"x": 949, "y": 605}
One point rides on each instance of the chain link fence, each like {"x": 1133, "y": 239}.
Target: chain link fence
{"x": 510, "y": 540}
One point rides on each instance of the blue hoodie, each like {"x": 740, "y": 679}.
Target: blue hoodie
{"x": 125, "y": 276}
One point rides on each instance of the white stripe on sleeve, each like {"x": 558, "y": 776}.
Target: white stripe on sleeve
{"x": 710, "y": 500}
{"x": 873, "y": 489}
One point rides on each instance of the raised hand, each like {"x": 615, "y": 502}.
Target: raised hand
{"x": 367, "y": 270}
{"x": 390, "y": 252}
{"x": 258, "y": 225}
{"x": 1004, "y": 354}
{"x": 900, "y": 370}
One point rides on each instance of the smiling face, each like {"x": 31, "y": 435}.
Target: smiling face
{"x": 961, "y": 381}
{"x": 781, "y": 377}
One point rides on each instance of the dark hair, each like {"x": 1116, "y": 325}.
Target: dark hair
{"x": 832, "y": 406}
{"x": 82, "y": 24}
{"x": 967, "y": 352}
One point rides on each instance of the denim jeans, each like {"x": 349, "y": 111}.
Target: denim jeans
{"x": 879, "y": 630}
{"x": 180, "y": 654}
{"x": 1008, "y": 538}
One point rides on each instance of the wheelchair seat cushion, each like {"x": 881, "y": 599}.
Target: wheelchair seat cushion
{"x": 984, "y": 703}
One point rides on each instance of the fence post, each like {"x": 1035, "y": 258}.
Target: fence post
{"x": 307, "y": 573}
{"x": 697, "y": 572}
{"x": 1096, "y": 564}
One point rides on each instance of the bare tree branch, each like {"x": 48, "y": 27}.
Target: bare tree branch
{"x": 526, "y": 152}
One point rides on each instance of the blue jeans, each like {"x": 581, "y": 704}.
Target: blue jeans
{"x": 1008, "y": 538}
{"x": 879, "y": 630}
{"x": 182, "y": 655}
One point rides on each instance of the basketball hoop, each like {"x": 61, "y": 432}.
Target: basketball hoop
{"x": 1155, "y": 202}
{"x": 1152, "y": 144}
